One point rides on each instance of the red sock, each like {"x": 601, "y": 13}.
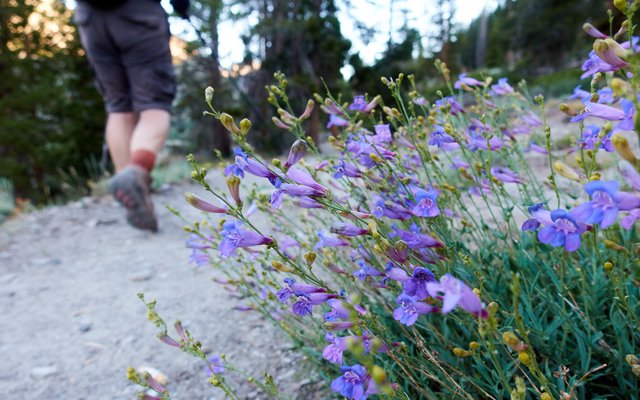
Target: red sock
{"x": 144, "y": 159}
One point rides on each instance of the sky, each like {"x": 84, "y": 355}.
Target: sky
{"x": 419, "y": 14}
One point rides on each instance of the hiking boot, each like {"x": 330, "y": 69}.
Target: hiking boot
{"x": 130, "y": 187}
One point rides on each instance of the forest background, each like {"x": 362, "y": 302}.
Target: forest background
{"x": 51, "y": 116}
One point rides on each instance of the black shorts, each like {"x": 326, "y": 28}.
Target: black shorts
{"x": 128, "y": 48}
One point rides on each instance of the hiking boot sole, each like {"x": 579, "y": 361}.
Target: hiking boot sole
{"x": 128, "y": 189}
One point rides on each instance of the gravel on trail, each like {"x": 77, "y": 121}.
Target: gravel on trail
{"x": 71, "y": 322}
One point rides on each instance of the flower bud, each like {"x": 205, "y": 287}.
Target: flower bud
{"x": 460, "y": 353}
{"x": 620, "y": 5}
{"x": 378, "y": 374}
{"x": 608, "y": 266}
{"x": 622, "y": 147}
{"x": 208, "y": 94}
{"x": 245, "y": 125}
{"x": 524, "y": 358}
{"x": 278, "y": 266}
{"x": 227, "y": 121}
{"x": 513, "y": 341}
{"x": 566, "y": 171}
{"x": 614, "y": 246}
{"x": 277, "y": 122}
{"x": 233, "y": 184}
{"x": 564, "y": 107}
{"x": 203, "y": 205}
{"x": 307, "y": 110}
{"x": 310, "y": 257}
{"x": 297, "y": 151}
{"x": 545, "y": 396}
{"x": 474, "y": 346}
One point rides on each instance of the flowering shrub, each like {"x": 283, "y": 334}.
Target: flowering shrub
{"x": 427, "y": 258}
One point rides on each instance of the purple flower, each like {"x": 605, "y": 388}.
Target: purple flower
{"x": 454, "y": 293}
{"x": 410, "y": 309}
{"x": 304, "y": 178}
{"x": 564, "y": 230}
{"x": 307, "y": 202}
{"x": 463, "y": 80}
{"x": 329, "y": 241}
{"x": 420, "y": 101}
{"x": 347, "y": 229}
{"x": 347, "y": 169}
{"x": 605, "y": 95}
{"x": 336, "y": 121}
{"x": 502, "y": 88}
{"x": 297, "y": 151}
{"x": 383, "y": 134}
{"x": 365, "y": 271}
{"x": 590, "y": 138}
{"x": 451, "y": 103}
{"x": 390, "y": 210}
{"x": 628, "y": 221}
{"x": 630, "y": 174}
{"x": 443, "y": 140}
{"x": 217, "y": 364}
{"x": 354, "y": 383}
{"x": 476, "y": 142}
{"x": 595, "y": 64}
{"x": 600, "y": 111}
{"x": 358, "y": 104}
{"x": 334, "y": 350}
{"x": 605, "y": 203}
{"x": 506, "y": 175}
{"x": 235, "y": 237}
{"x": 426, "y": 205}
{"x": 532, "y": 120}
{"x": 540, "y": 216}
{"x": 417, "y": 240}
{"x": 534, "y": 147}
{"x": 579, "y": 93}
{"x": 304, "y": 304}
{"x": 416, "y": 285}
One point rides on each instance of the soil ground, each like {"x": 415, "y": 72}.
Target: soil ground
{"x": 71, "y": 322}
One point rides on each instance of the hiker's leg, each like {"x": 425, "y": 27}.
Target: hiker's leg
{"x": 149, "y": 136}
{"x": 119, "y": 131}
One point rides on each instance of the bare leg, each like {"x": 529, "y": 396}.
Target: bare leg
{"x": 151, "y": 131}
{"x": 120, "y": 127}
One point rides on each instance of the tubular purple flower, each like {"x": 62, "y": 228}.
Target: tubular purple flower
{"x": 426, "y": 205}
{"x": 347, "y": 229}
{"x": 354, "y": 384}
{"x": 297, "y": 151}
{"x": 153, "y": 384}
{"x": 383, "y": 134}
{"x": 330, "y": 107}
{"x": 416, "y": 240}
{"x": 348, "y": 169}
{"x": 630, "y": 174}
{"x": 610, "y": 52}
{"x": 454, "y": 293}
{"x": 338, "y": 325}
{"x": 564, "y": 230}
{"x": 410, "y": 309}
{"x": 371, "y": 105}
{"x": 168, "y": 340}
{"x": 600, "y": 111}
{"x": 463, "y": 80}
{"x": 628, "y": 221}
{"x": 204, "y": 205}
{"x": 235, "y": 237}
{"x": 594, "y": 64}
{"x": 304, "y": 178}
{"x": 502, "y": 88}
{"x": 416, "y": 285}
{"x": 506, "y": 175}
{"x": 334, "y": 350}
{"x": 306, "y": 202}
{"x": 336, "y": 121}
{"x": 329, "y": 241}
{"x": 215, "y": 366}
{"x": 593, "y": 31}
{"x": 358, "y": 104}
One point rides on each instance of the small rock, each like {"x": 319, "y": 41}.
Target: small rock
{"x": 85, "y": 327}
{"x": 45, "y": 261}
{"x": 43, "y": 372}
{"x": 141, "y": 276}
{"x": 102, "y": 221}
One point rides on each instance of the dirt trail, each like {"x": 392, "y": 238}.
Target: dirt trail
{"x": 71, "y": 322}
